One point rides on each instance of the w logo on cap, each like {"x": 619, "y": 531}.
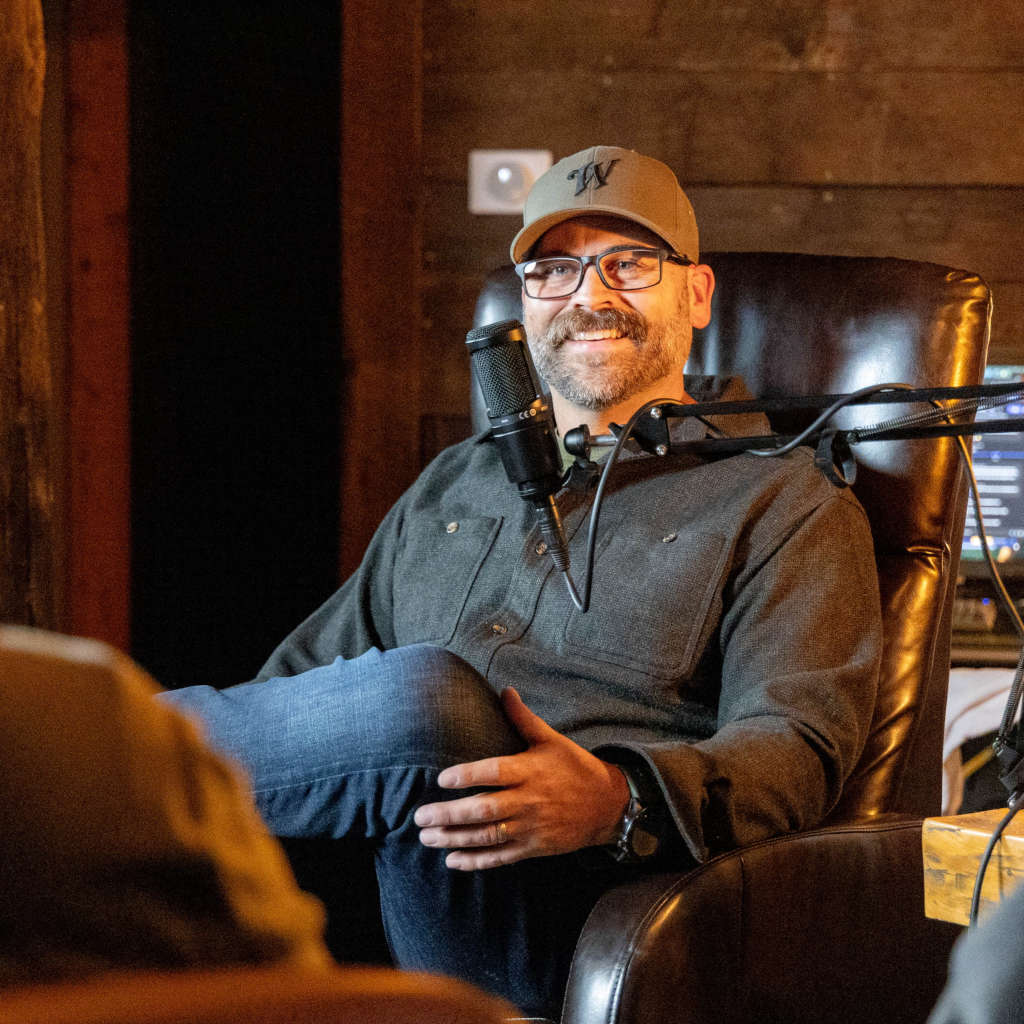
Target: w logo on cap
{"x": 591, "y": 174}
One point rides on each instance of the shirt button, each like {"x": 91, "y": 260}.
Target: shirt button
{"x": 498, "y": 628}
{"x": 452, "y": 528}
{"x": 668, "y": 539}
{"x": 541, "y": 548}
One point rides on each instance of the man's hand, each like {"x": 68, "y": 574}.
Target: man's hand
{"x": 552, "y": 798}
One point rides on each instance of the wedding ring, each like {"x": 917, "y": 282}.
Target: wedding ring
{"x": 501, "y": 834}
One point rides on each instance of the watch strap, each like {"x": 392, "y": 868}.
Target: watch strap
{"x": 641, "y": 813}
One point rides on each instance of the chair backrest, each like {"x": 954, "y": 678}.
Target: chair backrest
{"x": 793, "y": 324}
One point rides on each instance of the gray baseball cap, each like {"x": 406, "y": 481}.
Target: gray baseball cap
{"x": 610, "y": 180}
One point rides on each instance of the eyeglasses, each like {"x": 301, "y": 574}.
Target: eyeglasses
{"x": 623, "y": 269}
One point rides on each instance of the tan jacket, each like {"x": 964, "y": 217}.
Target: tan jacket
{"x": 124, "y": 842}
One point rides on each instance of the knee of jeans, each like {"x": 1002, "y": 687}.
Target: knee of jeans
{"x": 449, "y": 708}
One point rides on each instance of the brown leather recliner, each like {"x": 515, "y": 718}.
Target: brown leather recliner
{"x": 825, "y": 925}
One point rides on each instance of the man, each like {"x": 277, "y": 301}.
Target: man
{"x": 509, "y": 757}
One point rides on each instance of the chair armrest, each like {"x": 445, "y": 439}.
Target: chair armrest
{"x": 823, "y": 925}
{"x": 255, "y": 995}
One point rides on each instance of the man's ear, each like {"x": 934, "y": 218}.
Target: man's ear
{"x": 702, "y": 287}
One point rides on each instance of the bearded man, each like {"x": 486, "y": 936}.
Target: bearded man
{"x": 508, "y": 757}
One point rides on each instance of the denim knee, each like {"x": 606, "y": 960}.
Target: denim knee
{"x": 419, "y": 706}
{"x": 437, "y": 707}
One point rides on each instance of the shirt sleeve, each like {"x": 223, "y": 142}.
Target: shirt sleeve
{"x": 800, "y": 646}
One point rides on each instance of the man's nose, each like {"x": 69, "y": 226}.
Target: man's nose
{"x": 592, "y": 291}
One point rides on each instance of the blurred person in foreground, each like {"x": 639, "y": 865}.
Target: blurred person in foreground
{"x": 125, "y": 842}
{"x": 986, "y": 978}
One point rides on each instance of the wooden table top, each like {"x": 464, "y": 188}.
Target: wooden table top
{"x": 952, "y": 849}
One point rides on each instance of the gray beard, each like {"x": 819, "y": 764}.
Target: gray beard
{"x": 599, "y": 381}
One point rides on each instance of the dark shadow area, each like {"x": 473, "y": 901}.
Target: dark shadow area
{"x": 235, "y": 155}
{"x": 341, "y": 874}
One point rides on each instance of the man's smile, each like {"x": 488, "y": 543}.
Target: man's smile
{"x": 593, "y": 336}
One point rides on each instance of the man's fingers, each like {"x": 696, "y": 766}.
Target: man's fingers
{"x": 470, "y": 810}
{"x": 491, "y": 771}
{"x": 492, "y": 857}
{"x": 500, "y": 771}
{"x": 492, "y": 834}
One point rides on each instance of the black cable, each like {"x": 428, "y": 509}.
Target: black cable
{"x": 1017, "y": 684}
{"x": 938, "y": 412}
{"x": 583, "y": 603}
{"x": 1011, "y": 704}
{"x": 1016, "y": 799}
{"x": 1013, "y": 699}
{"x": 1015, "y": 805}
{"x": 825, "y": 416}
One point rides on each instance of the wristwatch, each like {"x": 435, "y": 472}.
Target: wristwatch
{"x": 642, "y": 823}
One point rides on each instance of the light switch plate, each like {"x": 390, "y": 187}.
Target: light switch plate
{"x": 500, "y": 178}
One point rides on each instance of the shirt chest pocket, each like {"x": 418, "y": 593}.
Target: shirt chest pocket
{"x": 651, "y": 601}
{"x": 434, "y": 571}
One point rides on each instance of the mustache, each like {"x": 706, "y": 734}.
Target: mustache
{"x": 571, "y": 322}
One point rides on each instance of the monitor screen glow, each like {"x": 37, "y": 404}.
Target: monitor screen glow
{"x": 999, "y": 469}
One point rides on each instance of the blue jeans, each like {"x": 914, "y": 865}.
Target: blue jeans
{"x": 350, "y": 750}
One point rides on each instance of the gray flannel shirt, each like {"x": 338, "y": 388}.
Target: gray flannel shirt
{"x": 733, "y": 638}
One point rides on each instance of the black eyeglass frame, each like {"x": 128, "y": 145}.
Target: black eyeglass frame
{"x": 664, "y": 256}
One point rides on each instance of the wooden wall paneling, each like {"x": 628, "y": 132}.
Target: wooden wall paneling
{"x": 776, "y": 35}
{"x": 54, "y": 177}
{"x": 381, "y": 206}
{"x": 98, "y": 322}
{"x": 866, "y": 127}
{"x": 449, "y": 301}
{"x": 871, "y": 128}
{"x": 979, "y": 227}
{"x": 28, "y": 508}
{"x": 1007, "y": 344}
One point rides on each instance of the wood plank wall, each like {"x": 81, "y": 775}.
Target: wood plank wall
{"x": 860, "y": 127}
{"x": 28, "y": 471}
{"x": 98, "y": 322}
{"x": 380, "y": 207}
{"x": 847, "y": 126}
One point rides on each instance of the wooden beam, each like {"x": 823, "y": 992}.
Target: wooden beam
{"x": 952, "y": 848}
{"x": 98, "y": 322}
{"x": 28, "y": 505}
{"x": 380, "y": 266}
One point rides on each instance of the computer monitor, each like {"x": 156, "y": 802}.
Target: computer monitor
{"x": 999, "y": 469}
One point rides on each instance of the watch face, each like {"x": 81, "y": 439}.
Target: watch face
{"x": 639, "y": 837}
{"x": 644, "y": 843}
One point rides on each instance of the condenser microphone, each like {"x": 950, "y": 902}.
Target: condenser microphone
{"x": 522, "y": 424}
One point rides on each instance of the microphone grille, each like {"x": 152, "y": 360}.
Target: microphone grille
{"x": 499, "y": 361}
